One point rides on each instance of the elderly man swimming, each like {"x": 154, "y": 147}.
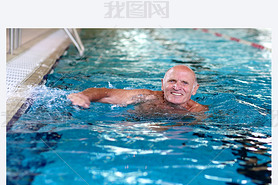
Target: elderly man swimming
{"x": 178, "y": 84}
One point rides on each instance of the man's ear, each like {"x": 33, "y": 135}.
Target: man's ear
{"x": 194, "y": 90}
{"x": 162, "y": 84}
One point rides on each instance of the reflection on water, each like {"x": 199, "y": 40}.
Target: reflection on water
{"x": 106, "y": 144}
{"x": 24, "y": 159}
{"x": 251, "y": 164}
{"x": 165, "y": 136}
{"x": 251, "y": 150}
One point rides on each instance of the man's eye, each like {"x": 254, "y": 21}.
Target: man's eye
{"x": 185, "y": 83}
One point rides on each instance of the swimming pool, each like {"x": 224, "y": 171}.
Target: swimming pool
{"x": 57, "y": 143}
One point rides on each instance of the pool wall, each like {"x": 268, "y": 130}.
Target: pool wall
{"x": 27, "y": 68}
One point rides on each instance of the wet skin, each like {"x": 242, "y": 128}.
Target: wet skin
{"x": 178, "y": 84}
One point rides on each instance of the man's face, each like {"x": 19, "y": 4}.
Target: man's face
{"x": 178, "y": 85}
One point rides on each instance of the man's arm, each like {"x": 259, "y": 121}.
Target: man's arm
{"x": 112, "y": 96}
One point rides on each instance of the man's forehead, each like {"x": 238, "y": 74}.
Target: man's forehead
{"x": 180, "y": 73}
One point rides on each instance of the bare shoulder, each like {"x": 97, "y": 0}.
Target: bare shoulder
{"x": 132, "y": 92}
{"x": 196, "y": 107}
{"x": 144, "y": 95}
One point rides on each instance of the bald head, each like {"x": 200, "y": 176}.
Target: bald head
{"x": 178, "y": 84}
{"x": 181, "y": 68}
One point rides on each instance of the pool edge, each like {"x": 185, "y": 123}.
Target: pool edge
{"x": 17, "y": 105}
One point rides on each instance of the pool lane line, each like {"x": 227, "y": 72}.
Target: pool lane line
{"x": 64, "y": 161}
{"x": 253, "y": 44}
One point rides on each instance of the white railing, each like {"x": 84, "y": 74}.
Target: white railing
{"x": 73, "y": 35}
{"x": 15, "y": 35}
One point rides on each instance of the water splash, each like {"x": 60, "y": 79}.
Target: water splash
{"x": 50, "y": 106}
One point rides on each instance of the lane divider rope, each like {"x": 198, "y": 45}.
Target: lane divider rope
{"x": 255, "y": 45}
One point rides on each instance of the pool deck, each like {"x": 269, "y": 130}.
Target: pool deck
{"x": 29, "y": 64}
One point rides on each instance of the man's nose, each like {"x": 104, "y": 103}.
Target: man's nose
{"x": 177, "y": 86}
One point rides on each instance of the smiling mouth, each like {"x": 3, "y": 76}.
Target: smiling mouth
{"x": 176, "y": 94}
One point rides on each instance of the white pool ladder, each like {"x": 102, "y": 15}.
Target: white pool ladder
{"x": 74, "y": 36}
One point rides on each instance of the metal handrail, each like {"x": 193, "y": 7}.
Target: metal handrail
{"x": 74, "y": 36}
{"x": 14, "y": 39}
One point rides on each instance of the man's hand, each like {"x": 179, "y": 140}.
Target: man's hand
{"x": 79, "y": 99}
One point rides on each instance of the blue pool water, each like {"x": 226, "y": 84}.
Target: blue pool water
{"x": 57, "y": 143}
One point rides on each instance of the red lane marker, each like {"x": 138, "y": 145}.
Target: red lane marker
{"x": 218, "y": 34}
{"x": 235, "y": 39}
{"x": 257, "y": 46}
